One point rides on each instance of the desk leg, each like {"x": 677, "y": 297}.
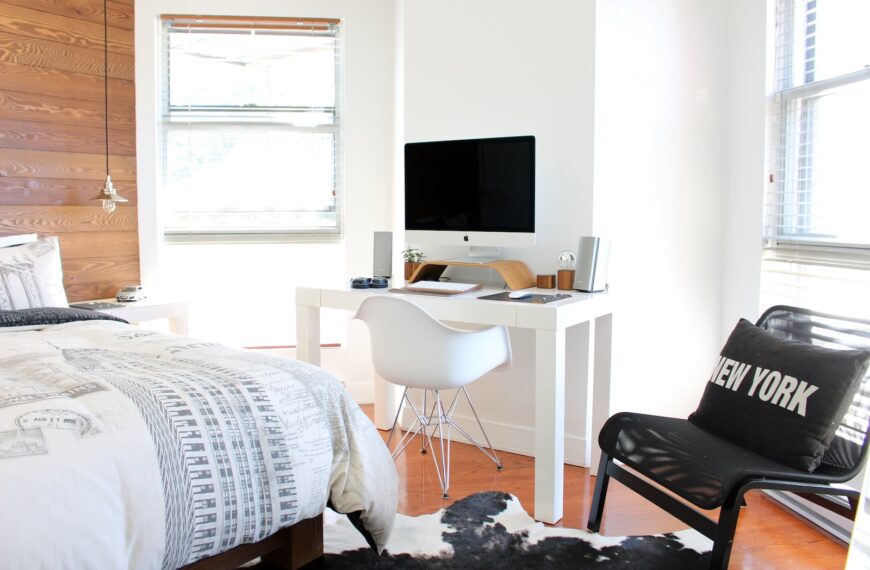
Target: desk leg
{"x": 603, "y": 339}
{"x": 308, "y": 334}
{"x": 387, "y": 397}
{"x": 549, "y": 424}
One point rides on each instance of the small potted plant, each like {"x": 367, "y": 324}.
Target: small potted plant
{"x": 412, "y": 258}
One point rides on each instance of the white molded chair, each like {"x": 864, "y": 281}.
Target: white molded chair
{"x": 412, "y": 348}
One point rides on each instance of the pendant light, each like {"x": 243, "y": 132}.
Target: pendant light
{"x": 109, "y": 196}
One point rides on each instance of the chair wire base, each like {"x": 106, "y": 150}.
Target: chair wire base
{"x": 440, "y": 420}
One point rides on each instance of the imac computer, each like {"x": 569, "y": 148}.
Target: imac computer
{"x": 476, "y": 192}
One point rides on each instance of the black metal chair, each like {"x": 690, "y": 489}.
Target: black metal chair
{"x": 710, "y": 472}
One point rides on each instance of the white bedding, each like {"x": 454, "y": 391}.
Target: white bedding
{"x": 127, "y": 448}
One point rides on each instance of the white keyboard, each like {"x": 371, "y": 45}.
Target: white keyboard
{"x": 446, "y": 286}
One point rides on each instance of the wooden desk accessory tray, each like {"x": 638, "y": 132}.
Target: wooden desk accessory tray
{"x": 516, "y": 274}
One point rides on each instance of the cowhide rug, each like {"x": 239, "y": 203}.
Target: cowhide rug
{"x": 492, "y": 530}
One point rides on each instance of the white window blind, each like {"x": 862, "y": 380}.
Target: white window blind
{"x": 250, "y": 130}
{"x": 817, "y": 236}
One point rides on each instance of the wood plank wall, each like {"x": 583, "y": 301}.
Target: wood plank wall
{"x": 52, "y": 139}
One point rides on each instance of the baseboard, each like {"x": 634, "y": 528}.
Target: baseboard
{"x": 836, "y": 525}
{"x": 512, "y": 438}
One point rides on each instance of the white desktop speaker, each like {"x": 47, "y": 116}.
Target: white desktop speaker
{"x": 593, "y": 256}
{"x": 383, "y": 255}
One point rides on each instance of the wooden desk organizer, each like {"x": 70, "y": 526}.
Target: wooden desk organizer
{"x": 515, "y": 273}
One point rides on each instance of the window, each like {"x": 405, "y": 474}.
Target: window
{"x": 250, "y": 137}
{"x": 817, "y": 235}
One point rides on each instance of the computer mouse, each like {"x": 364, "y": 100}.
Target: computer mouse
{"x": 519, "y": 294}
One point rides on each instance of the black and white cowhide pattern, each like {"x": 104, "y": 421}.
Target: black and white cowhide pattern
{"x": 492, "y": 530}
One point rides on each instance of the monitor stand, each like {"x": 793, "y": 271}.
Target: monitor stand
{"x": 478, "y": 254}
{"x": 516, "y": 274}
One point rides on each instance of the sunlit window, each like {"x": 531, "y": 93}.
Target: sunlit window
{"x": 817, "y": 237}
{"x": 250, "y": 126}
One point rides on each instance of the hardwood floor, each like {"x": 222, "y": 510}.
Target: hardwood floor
{"x": 768, "y": 536}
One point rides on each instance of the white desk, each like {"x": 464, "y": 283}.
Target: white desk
{"x": 549, "y": 322}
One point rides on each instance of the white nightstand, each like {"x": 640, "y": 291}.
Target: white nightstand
{"x": 150, "y": 310}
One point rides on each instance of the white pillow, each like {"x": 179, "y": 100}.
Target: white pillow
{"x": 31, "y": 276}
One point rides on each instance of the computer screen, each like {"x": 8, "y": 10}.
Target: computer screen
{"x": 467, "y": 186}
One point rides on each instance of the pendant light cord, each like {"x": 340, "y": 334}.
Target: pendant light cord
{"x": 106, "y": 75}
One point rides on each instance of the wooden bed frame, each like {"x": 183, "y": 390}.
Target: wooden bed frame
{"x": 289, "y": 548}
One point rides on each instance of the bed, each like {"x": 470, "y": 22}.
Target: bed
{"x": 122, "y": 447}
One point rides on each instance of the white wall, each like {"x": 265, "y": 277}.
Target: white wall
{"x": 250, "y": 287}
{"x": 748, "y": 74}
{"x": 659, "y": 95}
{"x": 486, "y": 68}
{"x": 659, "y": 83}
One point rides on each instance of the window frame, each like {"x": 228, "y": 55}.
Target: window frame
{"x": 223, "y": 120}
{"x": 782, "y": 163}
{"x": 779, "y": 126}
{"x": 802, "y": 268}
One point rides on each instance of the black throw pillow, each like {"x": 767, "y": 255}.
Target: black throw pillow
{"x": 781, "y": 398}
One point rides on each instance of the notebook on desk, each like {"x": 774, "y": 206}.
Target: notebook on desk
{"x": 439, "y": 288}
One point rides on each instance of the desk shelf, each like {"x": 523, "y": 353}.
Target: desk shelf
{"x": 516, "y": 274}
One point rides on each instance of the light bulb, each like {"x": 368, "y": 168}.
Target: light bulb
{"x": 566, "y": 260}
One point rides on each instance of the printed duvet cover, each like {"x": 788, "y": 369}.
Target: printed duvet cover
{"x": 122, "y": 447}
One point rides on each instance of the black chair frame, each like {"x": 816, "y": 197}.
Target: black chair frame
{"x": 721, "y": 532}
